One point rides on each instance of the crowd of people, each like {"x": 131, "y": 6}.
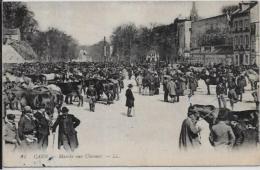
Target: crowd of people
{"x": 177, "y": 80}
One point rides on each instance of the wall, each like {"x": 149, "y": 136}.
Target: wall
{"x": 210, "y": 32}
{"x": 254, "y": 22}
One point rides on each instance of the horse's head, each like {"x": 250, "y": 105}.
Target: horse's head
{"x": 207, "y": 112}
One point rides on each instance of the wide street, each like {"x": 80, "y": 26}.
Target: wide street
{"x": 108, "y": 137}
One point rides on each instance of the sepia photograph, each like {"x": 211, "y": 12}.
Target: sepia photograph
{"x": 130, "y": 83}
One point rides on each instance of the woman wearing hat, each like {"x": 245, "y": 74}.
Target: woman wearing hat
{"x": 129, "y": 99}
{"x": 67, "y": 134}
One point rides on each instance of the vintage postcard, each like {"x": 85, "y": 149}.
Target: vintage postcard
{"x": 130, "y": 83}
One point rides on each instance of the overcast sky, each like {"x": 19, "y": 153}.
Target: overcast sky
{"x": 89, "y": 22}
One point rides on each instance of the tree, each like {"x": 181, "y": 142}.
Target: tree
{"x": 17, "y": 15}
{"x": 123, "y": 40}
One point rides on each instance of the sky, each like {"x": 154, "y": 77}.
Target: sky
{"x": 89, "y": 22}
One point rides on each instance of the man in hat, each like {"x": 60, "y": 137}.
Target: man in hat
{"x": 220, "y": 91}
{"x": 222, "y": 135}
{"x": 171, "y": 86}
{"x": 232, "y": 95}
{"x": 10, "y": 134}
{"x": 129, "y": 100}
{"x": 67, "y": 136}
{"x": 27, "y": 129}
{"x": 189, "y": 136}
{"x": 91, "y": 95}
{"x": 42, "y": 125}
{"x": 165, "y": 89}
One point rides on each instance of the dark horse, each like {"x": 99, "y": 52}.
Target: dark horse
{"x": 70, "y": 89}
{"x": 246, "y": 130}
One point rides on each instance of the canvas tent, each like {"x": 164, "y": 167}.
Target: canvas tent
{"x": 10, "y": 55}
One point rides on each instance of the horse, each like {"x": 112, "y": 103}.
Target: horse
{"x": 245, "y": 130}
{"x": 70, "y": 89}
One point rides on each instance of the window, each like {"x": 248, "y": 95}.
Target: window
{"x": 246, "y": 59}
{"x": 247, "y": 41}
{"x": 246, "y": 22}
{"x": 236, "y": 27}
{"x": 235, "y": 42}
{"x": 241, "y": 41}
{"x": 241, "y": 25}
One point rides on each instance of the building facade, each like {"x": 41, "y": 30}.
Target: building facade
{"x": 183, "y": 38}
{"x": 211, "y": 41}
{"x": 254, "y": 34}
{"x": 244, "y": 34}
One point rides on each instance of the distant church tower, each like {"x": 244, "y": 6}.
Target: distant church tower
{"x": 194, "y": 13}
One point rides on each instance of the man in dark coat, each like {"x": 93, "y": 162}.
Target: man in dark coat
{"x": 129, "y": 100}
{"x": 91, "y": 95}
{"x": 220, "y": 91}
{"x": 42, "y": 124}
{"x": 67, "y": 134}
{"x": 165, "y": 89}
{"x": 189, "y": 136}
{"x": 27, "y": 129}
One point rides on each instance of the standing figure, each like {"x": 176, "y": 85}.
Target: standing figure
{"x": 232, "y": 96}
{"x": 220, "y": 91}
{"x": 27, "y": 129}
{"x": 190, "y": 132}
{"x": 91, "y": 94}
{"x": 10, "y": 133}
{"x": 43, "y": 129}
{"x": 129, "y": 100}
{"x": 165, "y": 89}
{"x": 192, "y": 84}
{"x": 157, "y": 84}
{"x": 241, "y": 83}
{"x": 222, "y": 135}
{"x": 67, "y": 136}
{"x": 172, "y": 89}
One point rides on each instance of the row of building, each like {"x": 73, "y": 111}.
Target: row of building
{"x": 231, "y": 38}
